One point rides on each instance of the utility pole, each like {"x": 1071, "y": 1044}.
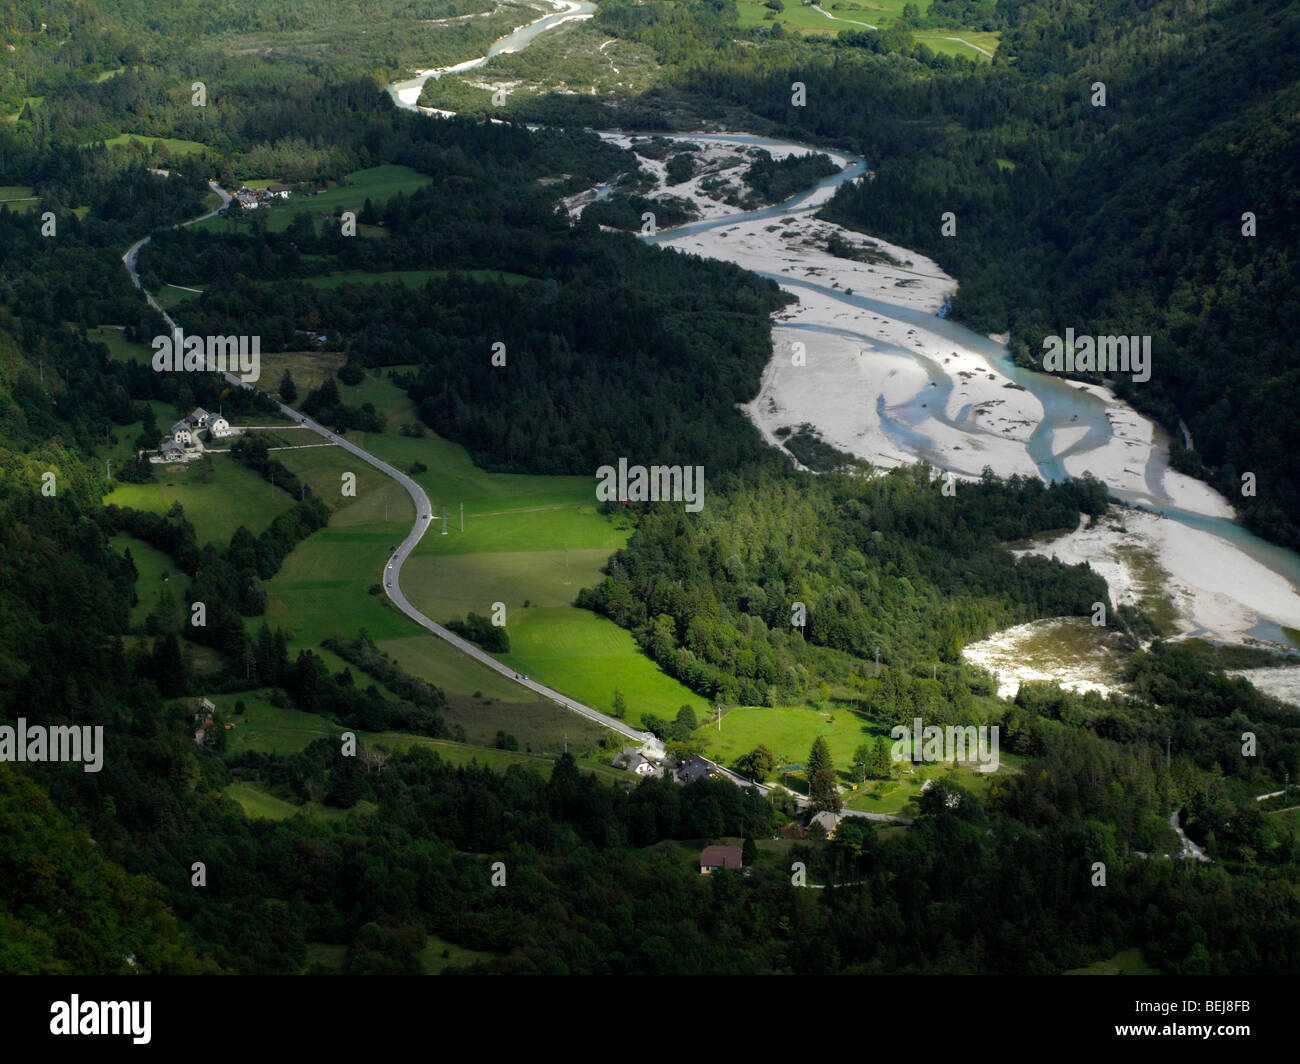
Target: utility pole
{"x": 462, "y": 517}
{"x": 877, "y": 661}
{"x": 108, "y": 469}
{"x": 444, "y": 520}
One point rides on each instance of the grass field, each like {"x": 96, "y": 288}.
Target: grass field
{"x": 964, "y": 43}
{"x": 235, "y": 496}
{"x": 411, "y": 278}
{"x": 119, "y": 347}
{"x": 861, "y": 14}
{"x": 35, "y": 102}
{"x": 257, "y": 804}
{"x": 513, "y": 549}
{"x": 587, "y": 656}
{"x": 377, "y": 184}
{"x": 169, "y": 295}
{"x": 789, "y": 731}
{"x": 18, "y": 197}
{"x": 438, "y": 955}
{"x": 268, "y": 729}
{"x": 152, "y": 565}
{"x": 1125, "y": 962}
{"x": 174, "y": 146}
{"x": 499, "y": 760}
{"x": 307, "y": 368}
{"x": 808, "y": 20}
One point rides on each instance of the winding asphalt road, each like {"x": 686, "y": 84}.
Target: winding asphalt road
{"x": 392, "y": 574}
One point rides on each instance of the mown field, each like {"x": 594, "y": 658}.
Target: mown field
{"x": 18, "y": 197}
{"x": 172, "y": 144}
{"x": 789, "y": 731}
{"x": 377, "y": 184}
{"x": 152, "y": 566}
{"x": 235, "y": 496}
{"x": 863, "y": 14}
{"x": 411, "y": 278}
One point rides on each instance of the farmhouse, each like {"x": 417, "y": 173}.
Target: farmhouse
{"x": 183, "y": 443}
{"x": 826, "y": 821}
{"x": 278, "y": 192}
{"x": 714, "y": 857}
{"x": 694, "y": 769}
{"x": 632, "y": 760}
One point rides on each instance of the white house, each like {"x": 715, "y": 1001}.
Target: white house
{"x": 632, "y": 760}
{"x": 218, "y": 426}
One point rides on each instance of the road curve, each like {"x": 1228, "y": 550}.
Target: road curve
{"x": 391, "y": 577}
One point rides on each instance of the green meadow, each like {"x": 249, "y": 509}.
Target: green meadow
{"x": 32, "y": 101}
{"x": 458, "y": 754}
{"x": 411, "y": 278}
{"x": 587, "y": 656}
{"x": 18, "y": 197}
{"x": 1125, "y": 962}
{"x": 153, "y": 568}
{"x": 789, "y": 731}
{"x": 861, "y": 14}
{"x": 964, "y": 43}
{"x": 439, "y": 955}
{"x": 377, "y": 184}
{"x": 258, "y": 804}
{"x": 173, "y": 146}
{"x": 269, "y": 729}
{"x": 235, "y": 496}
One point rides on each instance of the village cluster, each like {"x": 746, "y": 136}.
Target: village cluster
{"x": 182, "y": 444}
{"x": 252, "y": 198}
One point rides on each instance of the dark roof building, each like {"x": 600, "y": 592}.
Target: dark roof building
{"x": 714, "y": 857}
{"x": 694, "y": 769}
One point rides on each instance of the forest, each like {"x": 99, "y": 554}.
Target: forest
{"x": 616, "y": 348}
{"x": 883, "y": 565}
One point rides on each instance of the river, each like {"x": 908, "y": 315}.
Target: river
{"x": 1075, "y": 422}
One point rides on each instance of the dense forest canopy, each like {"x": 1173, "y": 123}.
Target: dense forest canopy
{"x": 618, "y": 348}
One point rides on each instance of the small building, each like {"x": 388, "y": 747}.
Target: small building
{"x": 218, "y": 426}
{"x": 172, "y": 451}
{"x": 713, "y": 858}
{"x": 204, "y": 707}
{"x": 281, "y": 192}
{"x": 247, "y": 198}
{"x": 633, "y": 760}
{"x": 827, "y": 821}
{"x": 696, "y": 768}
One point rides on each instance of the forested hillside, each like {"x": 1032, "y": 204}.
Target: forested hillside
{"x": 612, "y": 348}
{"x": 1127, "y": 218}
{"x": 886, "y": 565}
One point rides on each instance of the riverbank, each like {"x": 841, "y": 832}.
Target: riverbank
{"x": 406, "y": 93}
{"x": 882, "y": 376}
